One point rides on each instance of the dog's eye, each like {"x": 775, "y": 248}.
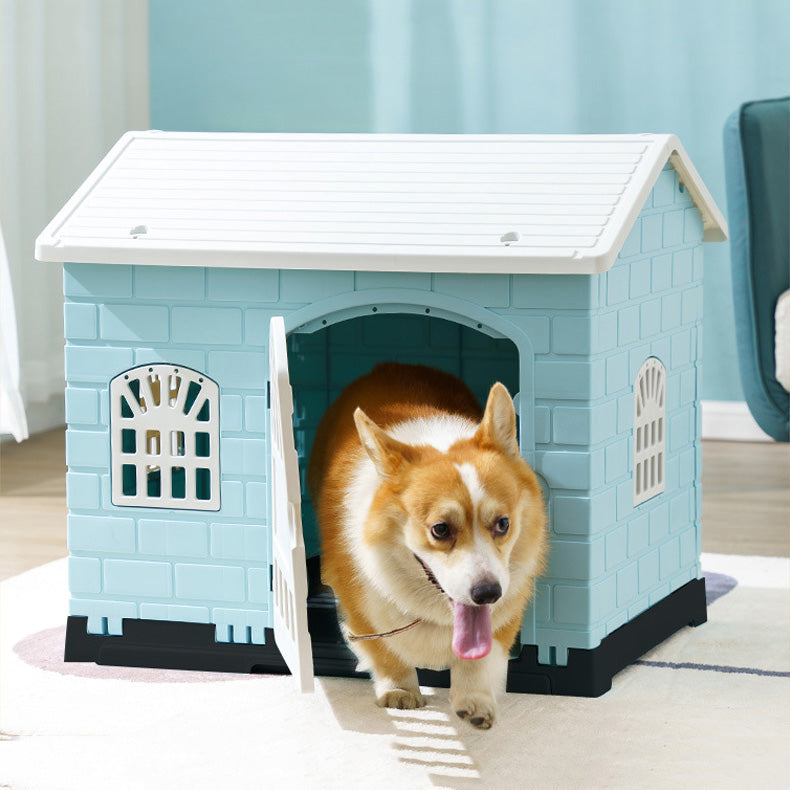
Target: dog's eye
{"x": 440, "y": 530}
{"x": 502, "y": 525}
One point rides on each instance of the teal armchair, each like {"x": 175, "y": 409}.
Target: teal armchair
{"x": 757, "y": 169}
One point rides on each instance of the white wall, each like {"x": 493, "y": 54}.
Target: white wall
{"x": 74, "y": 77}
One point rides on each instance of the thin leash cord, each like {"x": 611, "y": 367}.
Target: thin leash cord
{"x": 361, "y": 637}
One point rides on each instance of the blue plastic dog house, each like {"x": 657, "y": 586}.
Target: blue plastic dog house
{"x": 202, "y": 270}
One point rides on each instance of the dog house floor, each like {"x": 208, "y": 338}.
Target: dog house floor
{"x": 173, "y": 645}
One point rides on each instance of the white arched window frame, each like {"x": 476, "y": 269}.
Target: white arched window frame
{"x": 650, "y": 414}
{"x": 165, "y": 438}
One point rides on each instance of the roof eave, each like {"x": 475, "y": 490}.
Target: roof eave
{"x": 714, "y": 224}
{"x": 668, "y": 149}
{"x": 382, "y": 259}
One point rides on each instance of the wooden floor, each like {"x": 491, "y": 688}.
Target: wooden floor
{"x": 745, "y": 504}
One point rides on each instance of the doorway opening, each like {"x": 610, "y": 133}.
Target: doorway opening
{"x": 323, "y": 362}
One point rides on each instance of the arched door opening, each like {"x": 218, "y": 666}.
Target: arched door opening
{"x": 324, "y": 361}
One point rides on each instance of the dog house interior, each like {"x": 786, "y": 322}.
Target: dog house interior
{"x": 322, "y": 362}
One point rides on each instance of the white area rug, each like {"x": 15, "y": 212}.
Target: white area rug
{"x": 708, "y": 708}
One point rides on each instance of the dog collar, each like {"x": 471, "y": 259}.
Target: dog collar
{"x": 363, "y": 637}
{"x": 431, "y": 577}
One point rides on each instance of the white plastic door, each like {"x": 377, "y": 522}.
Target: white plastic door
{"x": 289, "y": 568}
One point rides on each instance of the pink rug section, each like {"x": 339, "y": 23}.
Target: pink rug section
{"x": 44, "y": 650}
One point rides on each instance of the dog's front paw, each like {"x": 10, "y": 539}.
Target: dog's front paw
{"x": 478, "y": 709}
{"x": 403, "y": 699}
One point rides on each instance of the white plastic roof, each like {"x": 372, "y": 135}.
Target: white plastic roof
{"x": 444, "y": 203}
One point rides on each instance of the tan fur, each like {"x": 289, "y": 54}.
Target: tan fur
{"x": 369, "y": 557}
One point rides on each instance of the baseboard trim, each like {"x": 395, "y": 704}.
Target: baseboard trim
{"x": 730, "y": 420}
{"x": 42, "y": 416}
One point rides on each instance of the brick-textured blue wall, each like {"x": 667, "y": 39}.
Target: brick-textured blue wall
{"x": 145, "y": 562}
{"x": 610, "y": 561}
{"x": 587, "y": 338}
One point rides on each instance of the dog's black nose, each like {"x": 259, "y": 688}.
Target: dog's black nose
{"x": 487, "y": 592}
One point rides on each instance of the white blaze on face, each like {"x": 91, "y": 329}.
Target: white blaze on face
{"x": 478, "y": 562}
{"x": 472, "y": 482}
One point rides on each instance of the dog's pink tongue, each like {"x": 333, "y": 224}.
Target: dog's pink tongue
{"x": 471, "y": 630}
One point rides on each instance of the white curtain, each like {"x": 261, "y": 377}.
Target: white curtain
{"x": 12, "y": 410}
{"x": 73, "y": 78}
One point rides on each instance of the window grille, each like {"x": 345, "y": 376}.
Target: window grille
{"x": 649, "y": 431}
{"x": 165, "y": 438}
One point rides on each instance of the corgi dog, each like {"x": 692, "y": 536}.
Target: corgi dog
{"x": 433, "y": 529}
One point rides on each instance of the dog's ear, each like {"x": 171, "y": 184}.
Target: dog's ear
{"x": 388, "y": 454}
{"x": 498, "y": 427}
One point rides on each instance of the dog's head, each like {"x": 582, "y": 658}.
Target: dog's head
{"x": 472, "y": 516}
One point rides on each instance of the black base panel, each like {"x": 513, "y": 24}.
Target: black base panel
{"x": 165, "y": 644}
{"x": 589, "y": 673}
